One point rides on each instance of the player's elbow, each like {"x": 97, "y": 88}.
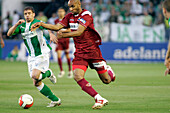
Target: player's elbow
{"x": 8, "y": 34}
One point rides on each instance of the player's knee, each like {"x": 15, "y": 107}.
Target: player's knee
{"x": 66, "y": 53}
{"x": 106, "y": 81}
{"x": 59, "y": 56}
{"x": 34, "y": 76}
{"x": 36, "y": 83}
{"x": 77, "y": 76}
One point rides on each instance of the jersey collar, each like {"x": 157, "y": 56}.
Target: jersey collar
{"x": 77, "y": 15}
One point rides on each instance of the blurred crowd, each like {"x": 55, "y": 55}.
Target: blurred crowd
{"x": 134, "y": 12}
{"x": 146, "y": 12}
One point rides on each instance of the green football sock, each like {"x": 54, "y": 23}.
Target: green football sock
{"x": 44, "y": 75}
{"x": 47, "y": 92}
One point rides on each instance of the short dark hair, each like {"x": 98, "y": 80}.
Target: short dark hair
{"x": 166, "y": 5}
{"x": 29, "y": 8}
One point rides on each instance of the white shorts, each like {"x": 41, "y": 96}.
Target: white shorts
{"x": 40, "y": 62}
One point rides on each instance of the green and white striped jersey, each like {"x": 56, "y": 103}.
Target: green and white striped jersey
{"x": 34, "y": 40}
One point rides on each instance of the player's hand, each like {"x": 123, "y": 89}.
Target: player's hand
{"x": 2, "y": 44}
{"x": 53, "y": 38}
{"x": 20, "y": 22}
{"x": 35, "y": 26}
{"x": 59, "y": 34}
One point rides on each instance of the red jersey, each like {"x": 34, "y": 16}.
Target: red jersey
{"x": 87, "y": 45}
{"x": 62, "y": 40}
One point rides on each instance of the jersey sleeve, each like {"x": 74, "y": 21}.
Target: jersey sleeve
{"x": 17, "y": 30}
{"x": 56, "y": 21}
{"x": 85, "y": 20}
{"x": 65, "y": 21}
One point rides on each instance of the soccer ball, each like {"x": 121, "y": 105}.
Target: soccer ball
{"x": 25, "y": 101}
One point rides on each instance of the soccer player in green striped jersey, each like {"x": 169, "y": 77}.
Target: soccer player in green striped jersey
{"x": 38, "y": 49}
{"x": 166, "y": 13}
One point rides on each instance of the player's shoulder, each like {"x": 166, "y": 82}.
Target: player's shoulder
{"x": 56, "y": 20}
{"x": 23, "y": 25}
{"x": 35, "y": 20}
{"x": 86, "y": 12}
{"x": 69, "y": 14}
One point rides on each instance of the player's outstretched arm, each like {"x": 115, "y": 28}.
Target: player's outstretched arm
{"x": 47, "y": 26}
{"x": 65, "y": 30}
{"x": 79, "y": 31}
{"x": 12, "y": 29}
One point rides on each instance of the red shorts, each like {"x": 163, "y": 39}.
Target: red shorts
{"x": 63, "y": 44}
{"x": 98, "y": 64}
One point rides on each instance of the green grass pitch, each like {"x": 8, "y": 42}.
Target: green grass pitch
{"x": 139, "y": 88}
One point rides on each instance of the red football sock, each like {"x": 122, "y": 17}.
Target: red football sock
{"x": 69, "y": 63}
{"x": 86, "y": 86}
{"x": 60, "y": 64}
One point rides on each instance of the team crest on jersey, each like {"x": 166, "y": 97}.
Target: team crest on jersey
{"x": 82, "y": 20}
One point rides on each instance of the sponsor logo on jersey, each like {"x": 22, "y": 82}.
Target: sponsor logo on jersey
{"x": 28, "y": 34}
{"x": 73, "y": 26}
{"x": 71, "y": 19}
{"x": 82, "y": 20}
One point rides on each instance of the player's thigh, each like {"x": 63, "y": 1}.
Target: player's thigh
{"x": 59, "y": 53}
{"x": 79, "y": 67}
{"x": 67, "y": 53}
{"x": 78, "y": 74}
{"x": 105, "y": 78}
{"x": 42, "y": 63}
{"x": 100, "y": 67}
{"x": 35, "y": 73}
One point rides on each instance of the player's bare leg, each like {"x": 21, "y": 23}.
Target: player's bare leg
{"x": 78, "y": 74}
{"x": 37, "y": 77}
{"x": 61, "y": 74}
{"x": 86, "y": 86}
{"x": 105, "y": 78}
{"x": 70, "y": 74}
{"x": 108, "y": 76}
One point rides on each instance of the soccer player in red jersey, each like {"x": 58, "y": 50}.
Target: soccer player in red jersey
{"x": 63, "y": 44}
{"x": 87, "y": 42}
